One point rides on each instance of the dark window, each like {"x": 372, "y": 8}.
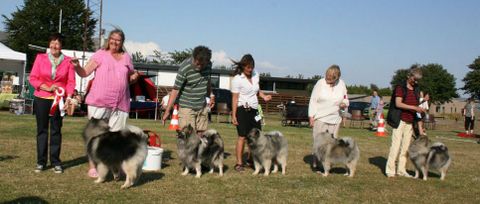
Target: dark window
{"x": 215, "y": 80}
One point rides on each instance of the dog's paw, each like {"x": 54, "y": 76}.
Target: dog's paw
{"x": 125, "y": 186}
{"x": 99, "y": 180}
{"x": 211, "y": 171}
{"x": 198, "y": 175}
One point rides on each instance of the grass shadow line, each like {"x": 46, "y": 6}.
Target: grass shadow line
{"x": 75, "y": 162}
{"x": 8, "y": 157}
{"x": 27, "y": 199}
{"x": 379, "y": 161}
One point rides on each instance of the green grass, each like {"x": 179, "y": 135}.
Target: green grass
{"x": 18, "y": 182}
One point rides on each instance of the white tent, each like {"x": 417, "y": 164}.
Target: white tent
{"x": 13, "y": 61}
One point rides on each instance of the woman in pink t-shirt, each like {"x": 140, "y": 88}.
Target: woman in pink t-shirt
{"x": 109, "y": 95}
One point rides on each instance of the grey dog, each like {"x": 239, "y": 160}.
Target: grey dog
{"x": 194, "y": 151}
{"x": 267, "y": 149}
{"x": 425, "y": 154}
{"x": 328, "y": 150}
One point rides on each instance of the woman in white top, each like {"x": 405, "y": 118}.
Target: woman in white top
{"x": 245, "y": 89}
{"x": 329, "y": 96}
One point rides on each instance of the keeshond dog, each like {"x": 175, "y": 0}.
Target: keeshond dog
{"x": 266, "y": 149}
{"x": 425, "y": 154}
{"x": 194, "y": 151}
{"x": 329, "y": 150}
{"x": 124, "y": 150}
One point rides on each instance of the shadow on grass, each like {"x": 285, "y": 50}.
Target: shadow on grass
{"x": 7, "y": 157}
{"x": 380, "y": 162}
{"x": 28, "y": 199}
{"x": 75, "y": 162}
{"x": 149, "y": 177}
{"x": 308, "y": 159}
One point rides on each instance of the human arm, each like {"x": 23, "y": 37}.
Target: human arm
{"x": 264, "y": 96}
{"x": 171, "y": 101}
{"x": 234, "y": 108}
{"x": 399, "y": 103}
{"x": 87, "y": 70}
{"x": 133, "y": 77}
{"x": 312, "y": 105}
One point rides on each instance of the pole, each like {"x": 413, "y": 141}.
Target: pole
{"x": 60, "y": 22}
{"x": 100, "y": 35}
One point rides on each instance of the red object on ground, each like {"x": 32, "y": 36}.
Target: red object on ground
{"x": 174, "y": 121}
{"x": 381, "y": 127}
{"x": 465, "y": 135}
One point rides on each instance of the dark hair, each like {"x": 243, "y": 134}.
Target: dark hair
{"x": 122, "y": 35}
{"x": 203, "y": 54}
{"x": 56, "y": 36}
{"x": 247, "y": 59}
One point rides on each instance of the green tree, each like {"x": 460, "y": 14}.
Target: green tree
{"x": 265, "y": 74}
{"x": 472, "y": 79}
{"x": 436, "y": 81}
{"x": 179, "y": 56}
{"x": 138, "y": 57}
{"x": 38, "y": 19}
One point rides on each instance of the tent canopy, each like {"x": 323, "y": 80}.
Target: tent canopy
{"x": 13, "y": 61}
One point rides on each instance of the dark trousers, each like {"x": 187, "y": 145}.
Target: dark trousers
{"x": 469, "y": 123}
{"x": 42, "y": 109}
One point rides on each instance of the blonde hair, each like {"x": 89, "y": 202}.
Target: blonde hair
{"x": 333, "y": 71}
{"x": 122, "y": 35}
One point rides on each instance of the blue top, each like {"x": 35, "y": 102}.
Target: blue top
{"x": 374, "y": 102}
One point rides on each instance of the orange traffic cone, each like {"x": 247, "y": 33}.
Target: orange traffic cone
{"x": 174, "y": 121}
{"x": 381, "y": 127}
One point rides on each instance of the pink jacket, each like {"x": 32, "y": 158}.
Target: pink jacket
{"x": 42, "y": 74}
{"x": 110, "y": 87}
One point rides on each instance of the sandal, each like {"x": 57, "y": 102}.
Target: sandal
{"x": 92, "y": 173}
{"x": 239, "y": 167}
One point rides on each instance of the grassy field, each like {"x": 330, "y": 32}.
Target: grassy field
{"x": 18, "y": 182}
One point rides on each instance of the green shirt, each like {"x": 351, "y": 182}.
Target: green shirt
{"x": 192, "y": 85}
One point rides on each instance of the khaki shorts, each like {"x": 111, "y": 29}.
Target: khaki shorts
{"x": 117, "y": 119}
{"x": 198, "y": 119}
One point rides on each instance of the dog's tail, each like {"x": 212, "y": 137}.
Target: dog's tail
{"x": 436, "y": 148}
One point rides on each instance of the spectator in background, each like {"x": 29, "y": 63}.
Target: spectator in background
{"x": 109, "y": 95}
{"x": 469, "y": 115}
{"x": 75, "y": 102}
{"x": 210, "y": 105}
{"x": 51, "y": 73}
{"x": 374, "y": 101}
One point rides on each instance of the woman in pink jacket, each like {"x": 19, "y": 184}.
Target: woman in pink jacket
{"x": 53, "y": 78}
{"x": 109, "y": 95}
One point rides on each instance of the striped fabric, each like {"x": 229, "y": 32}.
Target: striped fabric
{"x": 192, "y": 85}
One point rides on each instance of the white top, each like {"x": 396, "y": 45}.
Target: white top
{"x": 247, "y": 92}
{"x": 325, "y": 101}
{"x": 165, "y": 100}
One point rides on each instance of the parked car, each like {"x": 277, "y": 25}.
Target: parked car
{"x": 222, "y": 96}
{"x": 359, "y": 105}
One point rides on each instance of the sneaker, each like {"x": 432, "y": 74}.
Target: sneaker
{"x": 39, "y": 168}
{"x": 406, "y": 175}
{"x": 58, "y": 169}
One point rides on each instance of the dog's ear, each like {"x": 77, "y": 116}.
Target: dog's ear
{"x": 189, "y": 129}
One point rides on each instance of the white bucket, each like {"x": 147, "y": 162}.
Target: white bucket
{"x": 153, "y": 162}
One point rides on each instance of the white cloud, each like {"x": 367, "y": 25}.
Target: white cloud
{"x": 146, "y": 48}
{"x": 221, "y": 58}
{"x": 266, "y": 66}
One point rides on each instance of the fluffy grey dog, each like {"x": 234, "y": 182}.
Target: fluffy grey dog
{"x": 194, "y": 151}
{"x": 328, "y": 150}
{"x": 268, "y": 148}
{"x": 425, "y": 155}
{"x": 125, "y": 150}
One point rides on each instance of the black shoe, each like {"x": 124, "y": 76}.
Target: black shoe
{"x": 39, "y": 168}
{"x": 58, "y": 169}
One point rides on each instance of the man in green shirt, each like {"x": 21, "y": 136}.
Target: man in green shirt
{"x": 192, "y": 86}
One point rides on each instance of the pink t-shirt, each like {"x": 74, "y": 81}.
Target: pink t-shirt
{"x": 110, "y": 87}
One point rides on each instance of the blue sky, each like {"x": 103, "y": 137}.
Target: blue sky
{"x": 369, "y": 39}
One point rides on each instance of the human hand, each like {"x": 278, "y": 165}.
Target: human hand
{"x": 53, "y": 88}
{"x": 419, "y": 110}
{"x": 234, "y": 120}
{"x": 311, "y": 120}
{"x": 166, "y": 114}
{"x": 267, "y": 98}
{"x": 343, "y": 105}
